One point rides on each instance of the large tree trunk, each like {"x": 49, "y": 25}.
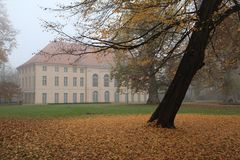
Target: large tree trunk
{"x": 191, "y": 62}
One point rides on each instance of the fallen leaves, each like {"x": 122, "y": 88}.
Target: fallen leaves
{"x": 120, "y": 137}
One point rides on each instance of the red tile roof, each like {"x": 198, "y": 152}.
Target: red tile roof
{"x": 71, "y": 54}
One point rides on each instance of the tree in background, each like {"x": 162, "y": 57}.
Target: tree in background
{"x": 9, "y": 85}
{"x": 191, "y": 24}
{"x": 9, "y": 90}
{"x": 7, "y": 34}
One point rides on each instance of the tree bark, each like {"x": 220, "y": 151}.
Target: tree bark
{"x": 191, "y": 62}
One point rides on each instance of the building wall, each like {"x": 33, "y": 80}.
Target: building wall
{"x": 35, "y": 88}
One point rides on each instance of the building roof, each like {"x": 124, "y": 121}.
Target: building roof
{"x": 71, "y": 54}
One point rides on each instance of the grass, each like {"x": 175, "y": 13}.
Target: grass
{"x": 73, "y": 110}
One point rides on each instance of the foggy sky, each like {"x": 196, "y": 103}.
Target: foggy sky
{"x": 25, "y": 17}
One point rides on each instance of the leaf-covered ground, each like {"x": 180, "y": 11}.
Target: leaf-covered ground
{"x": 120, "y": 137}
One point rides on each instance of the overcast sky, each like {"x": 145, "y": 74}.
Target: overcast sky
{"x": 31, "y": 38}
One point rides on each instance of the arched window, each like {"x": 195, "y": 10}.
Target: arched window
{"x": 95, "y": 80}
{"x": 106, "y": 80}
{"x": 95, "y": 96}
{"x": 106, "y": 96}
{"x": 116, "y": 95}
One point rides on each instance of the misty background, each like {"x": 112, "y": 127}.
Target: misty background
{"x": 26, "y": 16}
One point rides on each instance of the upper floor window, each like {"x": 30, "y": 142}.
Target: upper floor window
{"x": 74, "y": 69}
{"x": 106, "y": 80}
{"x": 44, "y": 68}
{"x": 65, "y": 81}
{"x": 22, "y": 82}
{"x": 81, "y": 70}
{"x": 30, "y": 82}
{"x": 74, "y": 81}
{"x": 44, "y": 80}
{"x": 56, "y": 69}
{"x": 81, "y": 81}
{"x": 65, "y": 69}
{"x": 95, "y": 80}
{"x": 56, "y": 81}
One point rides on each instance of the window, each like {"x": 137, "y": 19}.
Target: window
{"x": 56, "y": 97}
{"x": 74, "y": 81}
{"x": 44, "y": 68}
{"x": 65, "y": 69}
{"x": 22, "y": 82}
{"x": 106, "y": 80}
{"x": 139, "y": 97}
{"x": 116, "y": 95}
{"x": 81, "y": 81}
{"x": 116, "y": 83}
{"x": 65, "y": 81}
{"x": 74, "y": 97}
{"x": 56, "y": 69}
{"x": 65, "y": 96}
{"x": 126, "y": 98}
{"x": 33, "y": 85}
{"x": 81, "y": 70}
{"x": 26, "y": 82}
{"x": 44, "y": 98}
{"x": 74, "y": 69}
{"x": 132, "y": 97}
{"x": 44, "y": 80}
{"x": 106, "y": 96}
{"x": 56, "y": 81}
{"x": 81, "y": 97}
{"x": 30, "y": 82}
{"x": 95, "y": 80}
{"x": 95, "y": 96}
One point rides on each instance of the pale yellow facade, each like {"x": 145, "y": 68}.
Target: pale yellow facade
{"x": 44, "y": 83}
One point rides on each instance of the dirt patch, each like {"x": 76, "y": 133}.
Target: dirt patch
{"x": 120, "y": 137}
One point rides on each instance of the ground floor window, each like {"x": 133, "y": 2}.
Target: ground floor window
{"x": 132, "y": 97}
{"x": 116, "y": 95}
{"x": 74, "y": 97}
{"x": 126, "y": 98}
{"x": 56, "y": 97}
{"x": 65, "y": 97}
{"x": 82, "y": 97}
{"x": 106, "y": 96}
{"x": 44, "y": 98}
{"x": 95, "y": 96}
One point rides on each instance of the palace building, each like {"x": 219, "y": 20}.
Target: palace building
{"x": 57, "y": 74}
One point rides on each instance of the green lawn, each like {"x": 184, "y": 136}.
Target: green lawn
{"x": 73, "y": 110}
